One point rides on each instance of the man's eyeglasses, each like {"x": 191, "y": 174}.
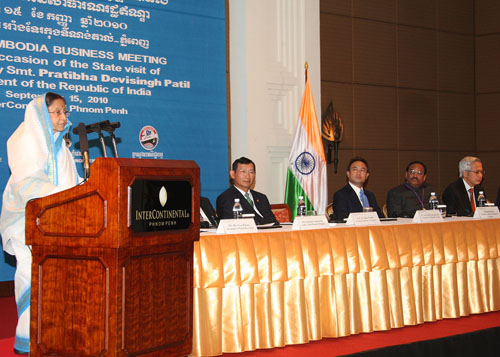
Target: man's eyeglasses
{"x": 246, "y": 172}
{"x": 59, "y": 113}
{"x": 477, "y": 172}
{"x": 418, "y": 172}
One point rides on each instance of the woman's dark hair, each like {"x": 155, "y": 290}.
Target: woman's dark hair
{"x": 50, "y": 97}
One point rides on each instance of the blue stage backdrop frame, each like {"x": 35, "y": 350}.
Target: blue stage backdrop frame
{"x": 156, "y": 66}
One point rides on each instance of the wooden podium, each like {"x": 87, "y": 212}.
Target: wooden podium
{"x": 110, "y": 278}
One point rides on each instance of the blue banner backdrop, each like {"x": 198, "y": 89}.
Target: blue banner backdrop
{"x": 156, "y": 66}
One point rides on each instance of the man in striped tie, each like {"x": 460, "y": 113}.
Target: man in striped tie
{"x": 460, "y": 197}
{"x": 252, "y": 202}
{"x": 353, "y": 197}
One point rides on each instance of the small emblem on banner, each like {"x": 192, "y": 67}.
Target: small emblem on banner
{"x": 148, "y": 137}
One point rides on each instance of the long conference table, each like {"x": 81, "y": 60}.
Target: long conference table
{"x": 280, "y": 287}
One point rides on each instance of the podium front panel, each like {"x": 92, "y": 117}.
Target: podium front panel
{"x": 73, "y": 303}
{"x": 157, "y": 315}
{"x": 99, "y": 288}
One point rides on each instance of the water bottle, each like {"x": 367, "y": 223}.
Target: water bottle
{"x": 301, "y": 207}
{"x": 433, "y": 201}
{"x": 237, "y": 209}
{"x": 481, "y": 200}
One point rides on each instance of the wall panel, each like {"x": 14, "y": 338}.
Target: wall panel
{"x": 374, "y": 52}
{"x": 456, "y": 122}
{"x": 418, "y": 129}
{"x": 381, "y": 10}
{"x": 487, "y": 13}
{"x": 455, "y": 63}
{"x": 487, "y": 60}
{"x": 416, "y": 67}
{"x": 376, "y": 123}
{"x": 336, "y": 48}
{"x": 422, "y": 13}
{"x": 456, "y": 16}
{"x": 417, "y": 58}
{"x": 487, "y": 51}
{"x": 488, "y": 123}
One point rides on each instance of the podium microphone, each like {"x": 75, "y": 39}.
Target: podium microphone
{"x": 81, "y": 130}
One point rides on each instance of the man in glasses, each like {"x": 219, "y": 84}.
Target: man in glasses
{"x": 252, "y": 202}
{"x": 404, "y": 200}
{"x": 461, "y": 196}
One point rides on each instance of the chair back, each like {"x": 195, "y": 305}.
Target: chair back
{"x": 384, "y": 210}
{"x": 329, "y": 212}
{"x": 282, "y": 212}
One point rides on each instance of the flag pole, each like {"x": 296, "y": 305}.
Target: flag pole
{"x": 306, "y": 66}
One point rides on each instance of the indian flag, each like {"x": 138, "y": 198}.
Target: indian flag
{"x": 306, "y": 174}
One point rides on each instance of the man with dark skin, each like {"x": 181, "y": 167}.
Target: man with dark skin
{"x": 404, "y": 200}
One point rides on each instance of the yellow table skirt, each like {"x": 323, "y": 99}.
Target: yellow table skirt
{"x": 281, "y": 287}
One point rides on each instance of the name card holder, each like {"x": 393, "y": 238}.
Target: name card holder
{"x": 310, "y": 222}
{"x": 487, "y": 212}
{"x": 236, "y": 226}
{"x": 363, "y": 219}
{"x": 427, "y": 216}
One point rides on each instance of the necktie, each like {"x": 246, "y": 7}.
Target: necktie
{"x": 247, "y": 196}
{"x": 472, "y": 202}
{"x": 364, "y": 199}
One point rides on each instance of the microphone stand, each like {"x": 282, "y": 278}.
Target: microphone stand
{"x": 82, "y": 130}
{"x": 111, "y": 129}
{"x": 106, "y": 126}
{"x": 101, "y": 139}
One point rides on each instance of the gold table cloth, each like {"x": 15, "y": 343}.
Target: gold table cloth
{"x": 282, "y": 287}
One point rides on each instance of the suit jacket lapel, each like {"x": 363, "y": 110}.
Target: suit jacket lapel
{"x": 244, "y": 203}
{"x": 257, "y": 204}
{"x": 465, "y": 195}
{"x": 256, "y": 201}
{"x": 355, "y": 199}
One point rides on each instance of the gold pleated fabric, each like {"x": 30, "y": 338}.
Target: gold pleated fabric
{"x": 282, "y": 287}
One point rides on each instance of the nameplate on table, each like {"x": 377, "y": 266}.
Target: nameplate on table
{"x": 363, "y": 219}
{"x": 487, "y": 212}
{"x": 310, "y": 222}
{"x": 427, "y": 216}
{"x": 236, "y": 226}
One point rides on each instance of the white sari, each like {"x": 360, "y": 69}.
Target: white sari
{"x": 40, "y": 164}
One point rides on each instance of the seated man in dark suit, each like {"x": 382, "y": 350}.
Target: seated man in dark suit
{"x": 243, "y": 177}
{"x": 460, "y": 197}
{"x": 404, "y": 200}
{"x": 352, "y": 197}
{"x": 207, "y": 213}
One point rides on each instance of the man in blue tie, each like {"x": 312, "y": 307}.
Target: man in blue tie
{"x": 353, "y": 197}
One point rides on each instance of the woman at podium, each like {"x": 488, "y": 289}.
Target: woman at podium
{"x": 40, "y": 164}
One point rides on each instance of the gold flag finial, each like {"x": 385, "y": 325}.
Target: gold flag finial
{"x": 306, "y": 66}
